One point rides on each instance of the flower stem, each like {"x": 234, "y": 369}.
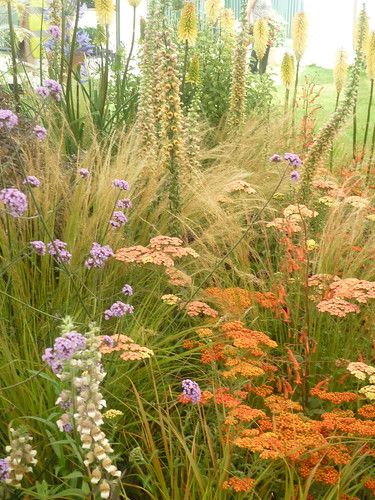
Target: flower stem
{"x": 14, "y": 56}
{"x": 368, "y": 117}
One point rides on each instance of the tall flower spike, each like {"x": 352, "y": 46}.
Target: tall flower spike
{"x": 213, "y": 9}
{"x": 188, "y": 24}
{"x": 104, "y": 11}
{"x": 261, "y": 37}
{"x": 361, "y": 31}
{"x": 227, "y": 21}
{"x": 287, "y": 70}
{"x": 340, "y": 72}
{"x": 21, "y": 457}
{"x": 194, "y": 70}
{"x": 299, "y": 34}
{"x": 370, "y": 56}
{"x": 236, "y": 113}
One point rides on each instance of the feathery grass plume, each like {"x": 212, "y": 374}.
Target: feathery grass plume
{"x": 261, "y": 37}
{"x": 299, "y": 39}
{"x": 237, "y": 103}
{"x": 172, "y": 154}
{"x": 213, "y": 9}
{"x": 287, "y": 75}
{"x": 194, "y": 70}
{"x": 104, "y": 11}
{"x": 188, "y": 24}
{"x": 340, "y": 71}
{"x": 227, "y": 21}
{"x": 323, "y": 141}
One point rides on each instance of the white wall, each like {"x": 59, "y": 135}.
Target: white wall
{"x": 331, "y": 25}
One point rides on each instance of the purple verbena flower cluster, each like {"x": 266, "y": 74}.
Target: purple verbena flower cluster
{"x": 191, "y": 390}
{"x": 107, "y": 340}
{"x": 117, "y": 310}
{"x": 295, "y": 176}
{"x": 8, "y": 119}
{"x": 57, "y": 249}
{"x": 119, "y": 219}
{"x": 127, "y": 290}
{"x": 14, "y": 200}
{"x": 4, "y": 469}
{"x": 276, "y": 158}
{"x": 50, "y": 88}
{"x": 124, "y": 204}
{"x": 121, "y": 184}
{"x": 32, "y": 181}
{"x": 98, "y": 255}
{"x": 64, "y": 348}
{"x": 54, "y": 31}
{"x": 84, "y": 173}
{"x": 293, "y": 159}
{"x": 40, "y": 132}
{"x": 84, "y": 43}
{"x": 39, "y": 247}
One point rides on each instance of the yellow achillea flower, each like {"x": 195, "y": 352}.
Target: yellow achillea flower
{"x": 111, "y": 414}
{"x": 261, "y": 37}
{"x": 371, "y": 56}
{"x": 340, "y": 72}
{"x": 299, "y": 34}
{"x": 213, "y": 9}
{"x": 194, "y": 70}
{"x": 188, "y": 25}
{"x": 227, "y": 21}
{"x": 104, "y": 11}
{"x": 287, "y": 70}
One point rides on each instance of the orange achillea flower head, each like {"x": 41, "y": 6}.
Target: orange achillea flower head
{"x": 244, "y": 413}
{"x": 263, "y": 390}
{"x": 279, "y": 405}
{"x": 344, "y": 421}
{"x": 370, "y": 485}
{"x": 239, "y": 484}
{"x": 198, "y": 308}
{"x": 243, "y": 368}
{"x": 204, "y": 332}
{"x": 224, "y": 397}
{"x": 130, "y": 351}
{"x": 325, "y": 474}
{"x": 212, "y": 354}
{"x": 367, "y": 411}
{"x": 321, "y": 391}
{"x": 162, "y": 251}
{"x": 237, "y": 186}
{"x": 231, "y": 300}
{"x": 338, "y": 307}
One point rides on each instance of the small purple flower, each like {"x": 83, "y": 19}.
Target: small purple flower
{"x": 64, "y": 348}
{"x": 295, "y": 176}
{"x": 98, "y": 255}
{"x": 14, "y": 200}
{"x": 50, "y": 88}
{"x": 32, "y": 181}
{"x": 276, "y": 158}
{"x": 39, "y": 247}
{"x": 54, "y": 31}
{"x": 121, "y": 184}
{"x": 84, "y": 173}
{"x": 8, "y": 118}
{"x": 67, "y": 427}
{"x": 124, "y": 204}
{"x": 84, "y": 43}
{"x": 40, "y": 132}
{"x": 109, "y": 341}
{"x": 117, "y": 310}
{"x": 57, "y": 249}
{"x": 293, "y": 159}
{"x": 191, "y": 390}
{"x": 119, "y": 219}
{"x": 127, "y": 290}
{"x": 4, "y": 469}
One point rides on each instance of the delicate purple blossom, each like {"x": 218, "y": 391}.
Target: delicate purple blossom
{"x": 121, "y": 184}
{"x": 293, "y": 159}
{"x": 127, "y": 290}
{"x": 54, "y": 31}
{"x": 98, "y": 255}
{"x": 14, "y": 200}
{"x": 50, "y": 88}
{"x": 191, "y": 390}
{"x": 4, "y": 469}
{"x": 67, "y": 427}
{"x": 40, "y": 132}
{"x": 107, "y": 340}
{"x": 295, "y": 176}
{"x": 119, "y": 219}
{"x": 84, "y": 43}
{"x": 8, "y": 118}
{"x": 63, "y": 349}
{"x": 117, "y": 310}
{"x": 124, "y": 204}
{"x": 276, "y": 158}
{"x": 84, "y": 173}
{"x": 57, "y": 249}
{"x": 32, "y": 181}
{"x": 39, "y": 247}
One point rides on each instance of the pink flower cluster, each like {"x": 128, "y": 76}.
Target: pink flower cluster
{"x": 56, "y": 248}
{"x": 50, "y": 88}
{"x": 14, "y": 200}
{"x": 8, "y": 119}
{"x": 98, "y": 255}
